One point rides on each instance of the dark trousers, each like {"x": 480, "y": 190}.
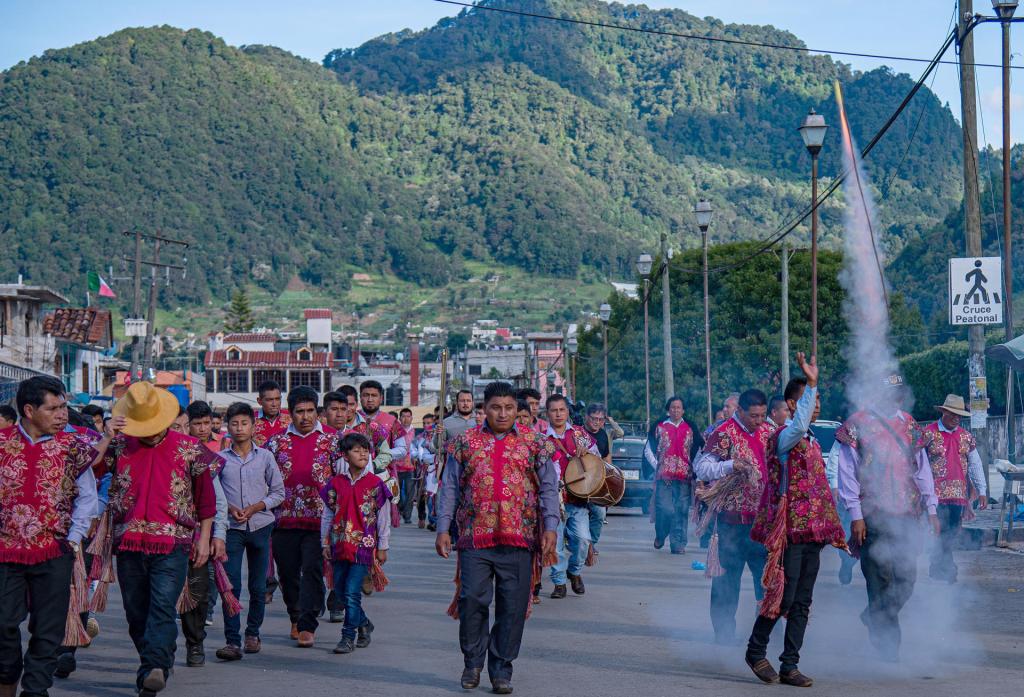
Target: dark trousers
{"x": 300, "y": 571}
{"x": 943, "y": 567}
{"x": 256, "y": 547}
{"x": 801, "y": 566}
{"x": 150, "y": 586}
{"x": 671, "y": 512}
{"x": 501, "y": 574}
{"x": 193, "y": 622}
{"x": 42, "y": 593}
{"x": 888, "y": 559}
{"x": 348, "y": 585}
{"x": 406, "y": 494}
{"x": 735, "y": 550}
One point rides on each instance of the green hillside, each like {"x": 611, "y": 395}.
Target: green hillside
{"x": 549, "y": 150}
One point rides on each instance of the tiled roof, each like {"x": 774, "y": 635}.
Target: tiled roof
{"x": 250, "y": 338}
{"x": 89, "y": 326}
{"x": 319, "y": 313}
{"x": 269, "y": 359}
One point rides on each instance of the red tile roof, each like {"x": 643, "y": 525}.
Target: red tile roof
{"x": 89, "y": 326}
{"x": 319, "y": 313}
{"x": 269, "y": 359}
{"x": 250, "y": 338}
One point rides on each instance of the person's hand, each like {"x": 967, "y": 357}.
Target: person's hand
{"x": 327, "y": 550}
{"x": 219, "y": 551}
{"x": 983, "y": 502}
{"x": 382, "y": 555}
{"x": 933, "y": 520}
{"x": 858, "y": 531}
{"x": 200, "y": 552}
{"x": 443, "y": 544}
{"x": 237, "y": 513}
{"x": 114, "y": 425}
{"x": 810, "y": 370}
{"x": 547, "y": 543}
{"x": 742, "y": 466}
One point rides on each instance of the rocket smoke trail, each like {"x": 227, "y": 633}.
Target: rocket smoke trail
{"x": 870, "y": 353}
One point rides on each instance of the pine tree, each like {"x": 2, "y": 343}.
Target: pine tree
{"x": 240, "y": 317}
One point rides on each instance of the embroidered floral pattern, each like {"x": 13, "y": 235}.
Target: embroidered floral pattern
{"x": 356, "y": 507}
{"x": 886, "y": 472}
{"x": 37, "y": 493}
{"x": 304, "y": 477}
{"x": 730, "y": 442}
{"x": 947, "y": 454}
{"x": 673, "y": 452}
{"x": 499, "y": 488}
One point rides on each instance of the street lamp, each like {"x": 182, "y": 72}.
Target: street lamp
{"x": 813, "y": 132}
{"x": 572, "y": 344}
{"x": 666, "y": 318}
{"x": 703, "y": 212}
{"x": 643, "y": 267}
{"x": 605, "y": 313}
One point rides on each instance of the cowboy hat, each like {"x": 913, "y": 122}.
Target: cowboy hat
{"x": 954, "y": 404}
{"x": 149, "y": 410}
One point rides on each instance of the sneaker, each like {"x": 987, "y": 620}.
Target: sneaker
{"x": 346, "y": 645}
{"x": 66, "y": 665}
{"x": 577, "y": 584}
{"x": 195, "y": 657}
{"x": 209, "y": 621}
{"x": 253, "y": 644}
{"x": 336, "y": 616}
{"x": 363, "y": 635}
{"x": 559, "y": 592}
{"x": 795, "y": 678}
{"x": 92, "y": 628}
{"x": 229, "y": 653}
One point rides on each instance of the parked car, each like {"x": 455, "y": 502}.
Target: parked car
{"x": 628, "y": 456}
{"x": 825, "y": 432}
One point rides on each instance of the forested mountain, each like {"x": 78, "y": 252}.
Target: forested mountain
{"x": 537, "y": 144}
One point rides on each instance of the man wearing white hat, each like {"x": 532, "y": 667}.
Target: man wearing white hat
{"x": 161, "y": 493}
{"x": 959, "y": 479}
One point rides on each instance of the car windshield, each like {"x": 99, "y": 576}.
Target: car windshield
{"x": 628, "y": 449}
{"x": 825, "y": 432}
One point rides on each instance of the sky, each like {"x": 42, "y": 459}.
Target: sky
{"x": 312, "y": 28}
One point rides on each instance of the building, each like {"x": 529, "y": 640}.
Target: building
{"x": 236, "y": 364}
{"x": 23, "y": 342}
{"x": 84, "y": 338}
{"x": 497, "y": 362}
{"x": 548, "y": 369}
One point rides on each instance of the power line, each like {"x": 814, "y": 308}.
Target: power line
{"x": 701, "y": 37}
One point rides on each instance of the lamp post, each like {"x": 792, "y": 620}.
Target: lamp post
{"x": 605, "y": 313}
{"x": 704, "y": 213}
{"x": 813, "y": 132}
{"x": 1005, "y": 10}
{"x": 666, "y": 318}
{"x": 643, "y": 267}
{"x": 572, "y": 344}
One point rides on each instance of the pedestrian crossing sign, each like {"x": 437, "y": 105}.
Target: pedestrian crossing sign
{"x": 976, "y": 290}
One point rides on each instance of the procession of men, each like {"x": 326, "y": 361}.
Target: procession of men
{"x": 167, "y": 510}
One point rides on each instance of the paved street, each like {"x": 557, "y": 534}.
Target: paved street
{"x": 642, "y": 628}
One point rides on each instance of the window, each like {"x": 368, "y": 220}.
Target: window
{"x": 261, "y": 376}
{"x": 211, "y": 380}
{"x": 232, "y": 381}
{"x": 304, "y": 378}
{"x": 304, "y": 354}
{"x": 476, "y": 369}
{"x": 234, "y": 354}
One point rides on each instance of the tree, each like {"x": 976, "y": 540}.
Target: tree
{"x": 240, "y": 317}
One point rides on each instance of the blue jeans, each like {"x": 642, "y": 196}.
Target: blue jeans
{"x": 597, "y": 516}
{"x": 574, "y": 533}
{"x": 255, "y": 544}
{"x": 348, "y": 585}
{"x": 150, "y": 586}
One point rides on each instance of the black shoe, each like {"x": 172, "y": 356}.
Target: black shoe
{"x": 679, "y": 550}
{"x": 195, "y": 657}
{"x": 577, "y": 584}
{"x": 559, "y": 592}
{"x": 336, "y": 616}
{"x": 66, "y": 665}
{"x": 659, "y": 542}
{"x": 501, "y": 687}
{"x": 363, "y": 635}
{"x": 431, "y": 527}
{"x": 796, "y": 679}
{"x": 470, "y": 678}
{"x": 346, "y": 645}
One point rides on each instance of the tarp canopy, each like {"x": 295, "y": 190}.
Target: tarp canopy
{"x": 1011, "y": 353}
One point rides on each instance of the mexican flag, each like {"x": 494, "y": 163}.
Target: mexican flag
{"x": 99, "y": 286}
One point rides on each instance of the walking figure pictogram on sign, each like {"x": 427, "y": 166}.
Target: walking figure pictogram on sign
{"x": 974, "y": 291}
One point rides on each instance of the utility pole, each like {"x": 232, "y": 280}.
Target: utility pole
{"x": 666, "y": 318}
{"x": 977, "y": 388}
{"x": 147, "y": 352}
{"x": 136, "y": 303}
{"x": 784, "y": 343}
